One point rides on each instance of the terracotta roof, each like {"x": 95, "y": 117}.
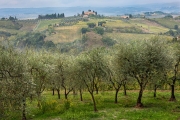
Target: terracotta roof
{"x": 89, "y": 13}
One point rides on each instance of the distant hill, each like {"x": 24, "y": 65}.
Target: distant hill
{"x": 32, "y": 13}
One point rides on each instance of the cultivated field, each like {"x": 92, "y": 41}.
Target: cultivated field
{"x": 71, "y": 33}
{"x": 65, "y": 34}
{"x": 43, "y": 24}
{"x": 148, "y": 26}
{"x": 129, "y": 36}
{"x": 169, "y": 23}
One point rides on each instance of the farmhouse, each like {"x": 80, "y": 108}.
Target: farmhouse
{"x": 125, "y": 17}
{"x": 89, "y": 12}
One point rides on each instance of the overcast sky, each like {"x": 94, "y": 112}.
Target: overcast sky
{"x": 69, "y": 3}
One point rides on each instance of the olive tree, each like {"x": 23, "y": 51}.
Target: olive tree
{"x": 93, "y": 69}
{"x": 158, "y": 80}
{"x": 64, "y": 74}
{"x": 142, "y": 60}
{"x": 15, "y": 82}
{"x": 174, "y": 73}
{"x": 39, "y": 69}
{"x": 78, "y": 77}
{"x": 116, "y": 77}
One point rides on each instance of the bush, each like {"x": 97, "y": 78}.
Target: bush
{"x": 3, "y": 33}
{"x": 84, "y": 30}
{"x": 49, "y": 44}
{"x": 91, "y": 25}
{"x": 108, "y": 41}
{"x": 176, "y": 27}
{"x": 67, "y": 104}
{"x": 109, "y": 30}
{"x": 101, "y": 23}
{"x": 48, "y": 106}
{"x": 84, "y": 38}
{"x": 35, "y": 40}
{"x": 168, "y": 16}
{"x": 99, "y": 30}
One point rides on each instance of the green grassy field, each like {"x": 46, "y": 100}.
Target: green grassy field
{"x": 129, "y": 36}
{"x": 10, "y": 24}
{"x": 65, "y": 34}
{"x": 43, "y": 25}
{"x": 71, "y": 33}
{"x": 28, "y": 25}
{"x": 169, "y": 23}
{"x": 148, "y": 26}
{"x": 154, "y": 108}
{"x": 117, "y": 23}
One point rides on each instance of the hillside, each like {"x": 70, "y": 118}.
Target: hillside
{"x": 68, "y": 29}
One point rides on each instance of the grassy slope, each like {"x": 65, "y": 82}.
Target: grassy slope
{"x": 44, "y": 24}
{"x": 71, "y": 33}
{"x": 117, "y": 23}
{"x": 129, "y": 36}
{"x": 169, "y": 23}
{"x": 154, "y": 108}
{"x": 149, "y": 26}
{"x": 65, "y": 34}
{"x": 28, "y": 25}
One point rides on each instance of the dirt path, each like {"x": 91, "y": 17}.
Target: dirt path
{"x": 35, "y": 28}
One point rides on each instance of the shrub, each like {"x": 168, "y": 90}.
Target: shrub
{"x": 99, "y": 30}
{"x": 84, "y": 38}
{"x": 67, "y": 104}
{"x": 101, "y": 23}
{"x": 108, "y": 41}
{"x": 84, "y": 30}
{"x": 109, "y": 30}
{"x": 176, "y": 27}
{"x": 91, "y": 25}
{"x": 48, "y": 106}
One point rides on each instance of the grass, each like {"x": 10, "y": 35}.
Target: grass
{"x": 149, "y": 26}
{"x": 43, "y": 25}
{"x": 9, "y": 24}
{"x": 130, "y": 36}
{"x": 154, "y": 108}
{"x": 71, "y": 33}
{"x": 65, "y": 34}
{"x": 169, "y": 23}
{"x": 12, "y": 31}
{"x": 28, "y": 25}
{"x": 117, "y": 23}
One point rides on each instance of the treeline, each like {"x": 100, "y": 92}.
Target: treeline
{"x": 10, "y": 18}
{"x": 51, "y": 16}
{"x": 35, "y": 40}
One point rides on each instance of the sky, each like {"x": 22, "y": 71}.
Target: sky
{"x": 71, "y": 3}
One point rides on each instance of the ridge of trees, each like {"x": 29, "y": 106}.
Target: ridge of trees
{"x": 51, "y": 16}
{"x": 30, "y": 39}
